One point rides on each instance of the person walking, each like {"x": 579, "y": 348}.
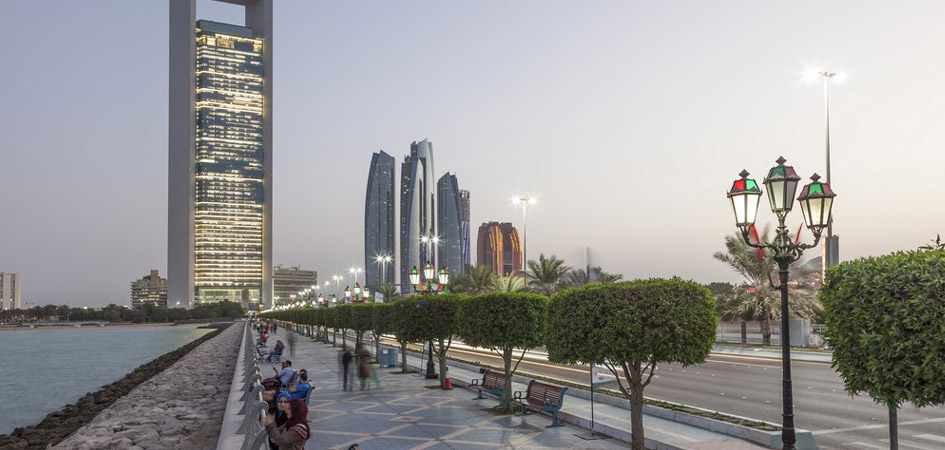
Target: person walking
{"x": 291, "y": 339}
{"x": 347, "y": 381}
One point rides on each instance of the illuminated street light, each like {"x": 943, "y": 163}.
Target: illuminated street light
{"x": 525, "y": 202}
{"x": 816, "y": 202}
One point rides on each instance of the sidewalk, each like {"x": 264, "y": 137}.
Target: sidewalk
{"x": 408, "y": 412}
{"x": 796, "y": 355}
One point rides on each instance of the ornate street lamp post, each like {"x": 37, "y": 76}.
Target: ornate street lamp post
{"x": 816, "y": 202}
{"x": 431, "y": 286}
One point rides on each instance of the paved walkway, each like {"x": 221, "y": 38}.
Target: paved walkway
{"x": 406, "y": 411}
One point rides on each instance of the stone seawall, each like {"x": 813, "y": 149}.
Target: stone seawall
{"x": 59, "y": 424}
{"x": 180, "y": 408}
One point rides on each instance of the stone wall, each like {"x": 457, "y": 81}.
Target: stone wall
{"x": 180, "y": 408}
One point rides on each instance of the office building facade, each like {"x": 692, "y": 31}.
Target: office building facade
{"x": 417, "y": 210}
{"x": 289, "y": 281}
{"x": 449, "y": 224}
{"x": 220, "y": 157}
{"x": 379, "y": 224}
{"x": 10, "y": 291}
{"x": 150, "y": 290}
{"x": 465, "y": 228}
{"x": 499, "y": 247}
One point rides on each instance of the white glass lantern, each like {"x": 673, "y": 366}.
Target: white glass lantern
{"x": 428, "y": 271}
{"x": 414, "y": 276}
{"x": 444, "y": 276}
{"x": 782, "y": 184}
{"x": 816, "y": 201}
{"x": 745, "y": 196}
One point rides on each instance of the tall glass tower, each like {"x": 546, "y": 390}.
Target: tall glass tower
{"x": 467, "y": 254}
{"x": 379, "y": 221}
{"x": 220, "y": 165}
{"x": 417, "y": 210}
{"x": 449, "y": 217}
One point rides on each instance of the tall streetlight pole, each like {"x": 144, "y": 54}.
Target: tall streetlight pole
{"x": 826, "y": 77}
{"x": 525, "y": 202}
{"x": 337, "y": 279}
{"x": 816, "y": 201}
{"x": 383, "y": 260}
{"x": 355, "y": 271}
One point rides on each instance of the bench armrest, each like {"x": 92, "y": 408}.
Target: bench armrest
{"x": 476, "y": 382}
{"x": 519, "y": 395}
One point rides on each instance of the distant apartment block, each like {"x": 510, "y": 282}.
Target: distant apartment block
{"x": 150, "y": 290}
{"x": 379, "y": 224}
{"x": 499, "y": 247}
{"x": 465, "y": 228}
{"x": 10, "y": 291}
{"x": 289, "y": 281}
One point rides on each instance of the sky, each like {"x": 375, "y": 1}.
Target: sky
{"x": 629, "y": 120}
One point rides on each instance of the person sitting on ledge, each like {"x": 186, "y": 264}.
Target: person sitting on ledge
{"x": 282, "y": 404}
{"x": 293, "y": 434}
{"x": 282, "y": 378}
{"x": 300, "y": 389}
{"x": 276, "y": 350}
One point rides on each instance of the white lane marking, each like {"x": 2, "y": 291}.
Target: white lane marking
{"x": 912, "y": 444}
{"x": 865, "y": 445}
{"x": 874, "y": 427}
{"x": 930, "y": 437}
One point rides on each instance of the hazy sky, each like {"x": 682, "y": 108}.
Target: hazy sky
{"x": 629, "y": 121}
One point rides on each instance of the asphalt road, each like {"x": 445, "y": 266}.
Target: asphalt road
{"x": 750, "y": 386}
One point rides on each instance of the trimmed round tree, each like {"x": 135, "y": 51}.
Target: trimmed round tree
{"x": 403, "y": 327}
{"x": 434, "y": 318}
{"x": 885, "y": 320}
{"x": 504, "y": 322}
{"x": 343, "y": 321}
{"x": 362, "y": 319}
{"x": 629, "y": 328}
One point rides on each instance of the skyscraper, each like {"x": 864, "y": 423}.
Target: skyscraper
{"x": 220, "y": 157}
{"x": 465, "y": 229}
{"x": 417, "y": 206}
{"x": 499, "y": 248}
{"x": 449, "y": 224}
{"x": 379, "y": 220}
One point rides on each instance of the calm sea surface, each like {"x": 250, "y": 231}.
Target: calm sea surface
{"x": 43, "y": 370}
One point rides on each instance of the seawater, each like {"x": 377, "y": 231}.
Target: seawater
{"x": 43, "y": 370}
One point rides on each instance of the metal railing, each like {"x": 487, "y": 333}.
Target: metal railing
{"x": 254, "y": 407}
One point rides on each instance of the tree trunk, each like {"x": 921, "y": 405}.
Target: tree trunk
{"x": 893, "y": 428}
{"x": 377, "y": 346}
{"x": 765, "y": 327}
{"x": 507, "y": 398}
{"x": 441, "y": 355}
{"x": 344, "y": 338}
{"x": 403, "y": 357}
{"x": 636, "y": 407}
{"x": 334, "y": 336}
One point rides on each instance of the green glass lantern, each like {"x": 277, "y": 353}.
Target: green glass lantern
{"x": 816, "y": 201}
{"x": 745, "y": 196}
{"x": 782, "y": 184}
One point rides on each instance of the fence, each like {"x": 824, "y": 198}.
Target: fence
{"x": 246, "y": 410}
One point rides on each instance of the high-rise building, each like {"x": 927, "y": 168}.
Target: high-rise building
{"x": 379, "y": 225}
{"x": 149, "y": 290}
{"x": 289, "y": 281}
{"x": 220, "y": 157}
{"x": 499, "y": 248}
{"x": 449, "y": 224}
{"x": 10, "y": 291}
{"x": 465, "y": 228}
{"x": 417, "y": 210}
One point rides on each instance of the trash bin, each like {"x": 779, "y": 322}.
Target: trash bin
{"x": 388, "y": 357}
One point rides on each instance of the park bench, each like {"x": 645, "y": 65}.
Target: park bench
{"x": 541, "y": 397}
{"x": 492, "y": 382}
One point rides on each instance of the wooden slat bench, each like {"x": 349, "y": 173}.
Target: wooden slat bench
{"x": 541, "y": 397}
{"x": 492, "y": 382}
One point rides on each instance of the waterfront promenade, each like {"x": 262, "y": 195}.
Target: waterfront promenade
{"x": 406, "y": 411}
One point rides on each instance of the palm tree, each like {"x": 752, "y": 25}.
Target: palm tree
{"x": 509, "y": 284}
{"x": 580, "y": 277}
{"x": 390, "y": 293}
{"x": 755, "y": 299}
{"x": 476, "y": 280}
{"x": 545, "y": 275}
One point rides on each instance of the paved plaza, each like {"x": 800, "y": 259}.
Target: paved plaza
{"x": 406, "y": 411}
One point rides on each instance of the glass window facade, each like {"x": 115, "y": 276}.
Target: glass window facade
{"x": 228, "y": 216}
